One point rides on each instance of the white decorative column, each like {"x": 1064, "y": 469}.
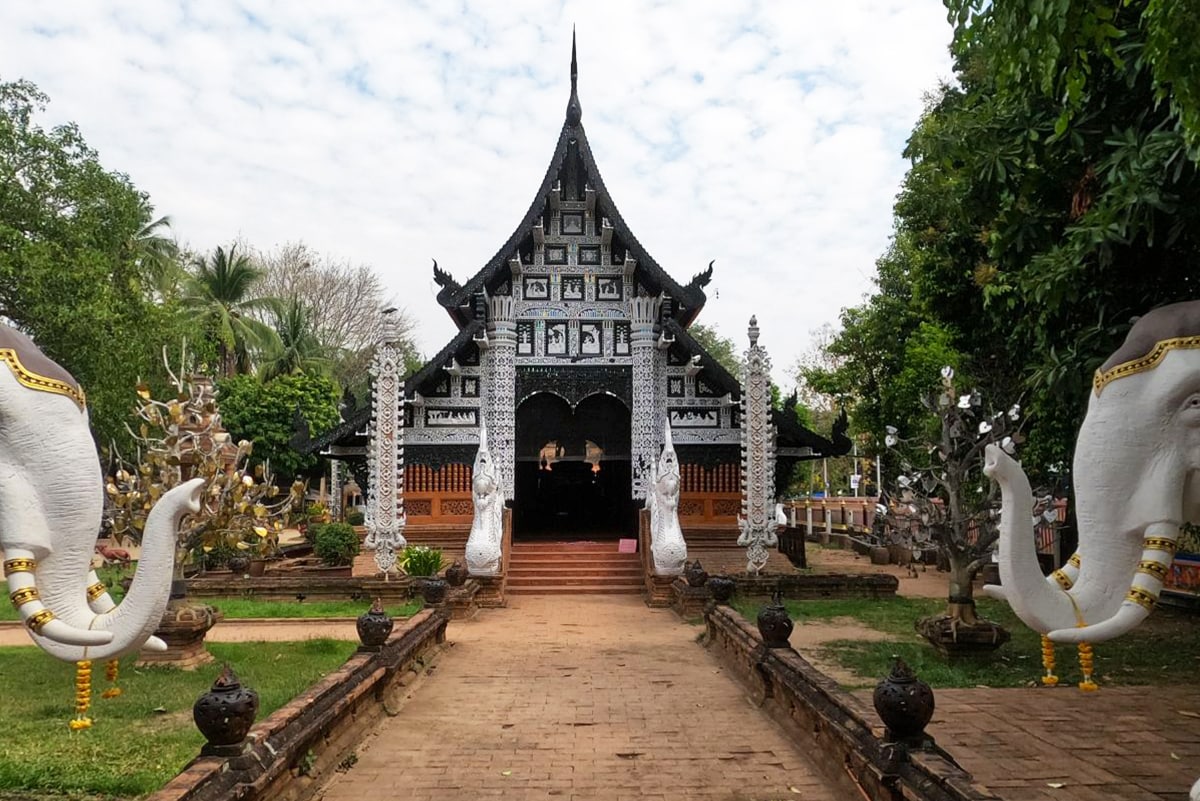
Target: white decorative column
{"x": 643, "y": 312}
{"x": 335, "y": 490}
{"x": 500, "y": 388}
{"x": 385, "y": 449}
{"x": 758, "y": 457}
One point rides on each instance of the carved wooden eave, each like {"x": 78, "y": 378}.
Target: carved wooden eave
{"x": 458, "y": 300}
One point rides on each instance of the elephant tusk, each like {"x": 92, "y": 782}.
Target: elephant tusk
{"x": 1158, "y": 549}
{"x": 97, "y": 594}
{"x": 994, "y": 591}
{"x": 154, "y": 644}
{"x": 19, "y": 569}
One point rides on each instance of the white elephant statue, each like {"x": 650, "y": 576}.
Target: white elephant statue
{"x": 1137, "y": 480}
{"x": 667, "y": 545}
{"x": 484, "y": 552}
{"x": 51, "y": 502}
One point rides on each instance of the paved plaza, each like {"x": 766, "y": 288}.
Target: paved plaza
{"x": 586, "y": 697}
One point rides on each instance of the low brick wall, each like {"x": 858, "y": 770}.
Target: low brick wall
{"x": 328, "y": 721}
{"x": 815, "y": 586}
{"x": 839, "y": 731}
{"x": 313, "y": 587}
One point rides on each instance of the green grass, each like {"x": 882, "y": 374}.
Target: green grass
{"x": 237, "y": 608}
{"x": 1164, "y": 650}
{"x": 142, "y": 738}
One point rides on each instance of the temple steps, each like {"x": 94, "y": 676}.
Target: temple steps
{"x": 562, "y": 568}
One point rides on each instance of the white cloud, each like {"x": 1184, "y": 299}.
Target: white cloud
{"x": 765, "y": 136}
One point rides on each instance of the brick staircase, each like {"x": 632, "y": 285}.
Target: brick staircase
{"x": 562, "y": 568}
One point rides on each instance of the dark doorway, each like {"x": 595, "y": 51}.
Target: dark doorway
{"x": 572, "y": 468}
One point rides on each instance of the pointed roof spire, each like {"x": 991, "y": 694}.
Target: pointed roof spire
{"x": 574, "y": 110}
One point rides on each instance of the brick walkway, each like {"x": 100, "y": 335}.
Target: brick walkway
{"x": 578, "y": 697}
{"x": 1127, "y": 743}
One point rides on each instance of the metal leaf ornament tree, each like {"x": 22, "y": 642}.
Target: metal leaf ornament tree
{"x": 943, "y": 492}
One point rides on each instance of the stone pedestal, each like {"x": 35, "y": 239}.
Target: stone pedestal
{"x": 183, "y": 628}
{"x": 658, "y": 591}
{"x": 688, "y": 601}
{"x": 461, "y": 601}
{"x": 491, "y": 591}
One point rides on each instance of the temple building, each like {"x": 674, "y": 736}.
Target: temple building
{"x": 573, "y": 350}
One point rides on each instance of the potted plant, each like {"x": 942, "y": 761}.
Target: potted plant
{"x": 423, "y": 564}
{"x": 335, "y": 544}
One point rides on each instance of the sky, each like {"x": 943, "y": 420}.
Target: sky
{"x": 765, "y": 135}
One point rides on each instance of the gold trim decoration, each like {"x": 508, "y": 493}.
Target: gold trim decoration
{"x": 20, "y": 565}
{"x": 23, "y": 596}
{"x": 1142, "y": 598}
{"x": 1074, "y": 561}
{"x": 1147, "y": 362}
{"x": 1153, "y": 569}
{"x": 96, "y": 590}
{"x": 1063, "y": 580}
{"x": 1159, "y": 544}
{"x": 38, "y": 620}
{"x": 40, "y": 382}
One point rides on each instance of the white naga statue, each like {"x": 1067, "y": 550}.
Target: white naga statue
{"x": 485, "y": 543}
{"x": 51, "y": 499}
{"x": 666, "y": 538}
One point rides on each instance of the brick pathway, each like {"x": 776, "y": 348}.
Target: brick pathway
{"x": 1127, "y": 743}
{"x": 578, "y": 697}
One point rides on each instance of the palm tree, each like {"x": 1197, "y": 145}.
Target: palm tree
{"x": 298, "y": 349}
{"x": 156, "y": 253}
{"x": 218, "y": 293}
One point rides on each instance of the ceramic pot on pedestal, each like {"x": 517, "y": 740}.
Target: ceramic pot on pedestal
{"x": 374, "y": 627}
{"x": 904, "y": 704}
{"x": 774, "y": 624}
{"x": 225, "y": 714}
{"x": 722, "y": 588}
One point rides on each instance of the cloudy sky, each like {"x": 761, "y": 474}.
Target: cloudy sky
{"x": 765, "y": 135}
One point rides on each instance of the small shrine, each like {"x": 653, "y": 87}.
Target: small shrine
{"x": 573, "y": 352}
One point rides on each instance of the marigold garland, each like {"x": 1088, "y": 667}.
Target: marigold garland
{"x": 112, "y": 669}
{"x": 1088, "y": 685}
{"x": 1048, "y": 662}
{"x": 83, "y": 695}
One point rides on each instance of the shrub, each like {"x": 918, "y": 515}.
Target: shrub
{"x": 355, "y": 517}
{"x": 335, "y": 544}
{"x": 419, "y": 560}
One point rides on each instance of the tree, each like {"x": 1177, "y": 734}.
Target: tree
{"x": 71, "y": 275}
{"x": 296, "y": 349}
{"x": 720, "y": 348}
{"x": 343, "y": 302}
{"x": 263, "y": 412}
{"x": 220, "y": 294}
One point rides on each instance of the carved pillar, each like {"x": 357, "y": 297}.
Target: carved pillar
{"x": 500, "y": 388}
{"x": 645, "y": 425}
{"x": 335, "y": 490}
{"x": 385, "y": 449}
{"x": 758, "y": 457}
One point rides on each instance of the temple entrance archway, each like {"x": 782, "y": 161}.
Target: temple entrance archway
{"x": 572, "y": 474}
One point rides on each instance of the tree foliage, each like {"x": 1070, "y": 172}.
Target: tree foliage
{"x": 1053, "y": 196}
{"x": 263, "y": 412}
{"x": 79, "y": 253}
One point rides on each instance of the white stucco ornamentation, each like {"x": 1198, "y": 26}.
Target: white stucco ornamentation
{"x": 643, "y": 312}
{"x": 51, "y": 500}
{"x": 500, "y": 388}
{"x": 667, "y": 545}
{"x": 484, "y": 553}
{"x": 757, "y": 521}
{"x": 385, "y": 450}
{"x": 1136, "y": 460}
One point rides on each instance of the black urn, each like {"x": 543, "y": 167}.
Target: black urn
{"x": 433, "y": 590}
{"x": 239, "y": 564}
{"x": 456, "y": 574}
{"x": 722, "y": 588}
{"x": 225, "y": 714}
{"x": 695, "y": 574}
{"x": 774, "y": 624}
{"x": 904, "y": 704}
{"x": 374, "y": 627}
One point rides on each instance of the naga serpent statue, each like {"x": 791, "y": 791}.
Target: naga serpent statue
{"x": 667, "y": 545}
{"x": 51, "y": 502}
{"x": 1136, "y": 482}
{"x": 485, "y": 542}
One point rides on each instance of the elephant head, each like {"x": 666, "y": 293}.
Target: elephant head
{"x": 1137, "y": 480}
{"x": 51, "y": 501}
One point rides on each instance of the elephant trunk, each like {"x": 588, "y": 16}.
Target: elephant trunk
{"x": 1040, "y": 605}
{"x": 130, "y": 624}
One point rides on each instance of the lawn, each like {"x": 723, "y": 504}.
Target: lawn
{"x": 140, "y": 739}
{"x": 1165, "y": 650}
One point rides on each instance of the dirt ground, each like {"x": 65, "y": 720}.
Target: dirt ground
{"x": 926, "y": 582}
